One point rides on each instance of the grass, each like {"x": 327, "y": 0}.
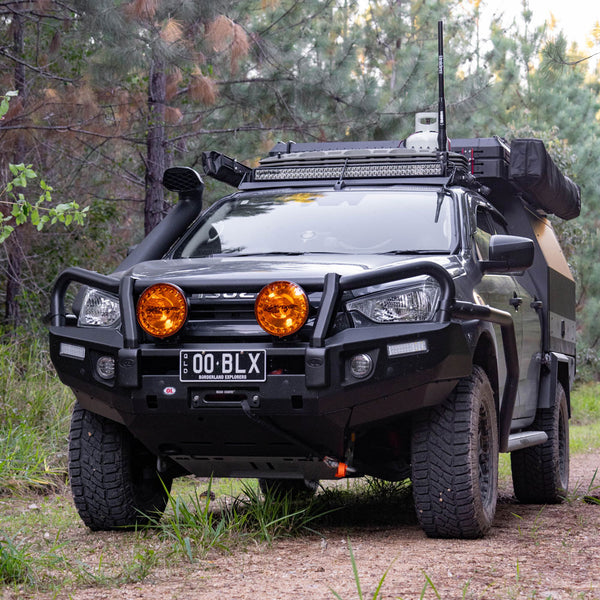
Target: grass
{"x": 196, "y": 525}
{"x": 585, "y": 405}
{"x": 585, "y": 418}
{"x": 192, "y": 525}
{"x": 589, "y": 493}
{"x": 34, "y": 418}
{"x": 16, "y": 563}
{"x": 377, "y": 592}
{"x": 35, "y": 412}
{"x": 366, "y": 501}
{"x": 44, "y": 547}
{"x": 273, "y": 515}
{"x": 34, "y": 421}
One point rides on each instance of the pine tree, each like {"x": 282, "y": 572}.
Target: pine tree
{"x": 343, "y": 69}
{"x": 166, "y": 51}
{"x": 29, "y": 37}
{"x": 537, "y": 95}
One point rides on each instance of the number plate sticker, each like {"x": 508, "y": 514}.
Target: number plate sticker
{"x": 223, "y": 365}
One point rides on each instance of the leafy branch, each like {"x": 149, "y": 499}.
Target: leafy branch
{"x": 19, "y": 210}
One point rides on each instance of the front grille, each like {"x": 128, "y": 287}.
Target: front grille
{"x": 205, "y": 307}
{"x": 227, "y": 316}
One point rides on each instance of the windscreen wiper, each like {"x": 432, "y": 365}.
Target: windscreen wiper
{"x": 419, "y": 252}
{"x": 274, "y": 253}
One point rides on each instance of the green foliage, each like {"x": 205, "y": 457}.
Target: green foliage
{"x": 367, "y": 501}
{"x": 310, "y": 70}
{"x": 274, "y": 515}
{"x": 38, "y": 213}
{"x": 134, "y": 568}
{"x": 584, "y": 438}
{"x": 16, "y": 563}
{"x": 34, "y": 418}
{"x": 194, "y": 527}
{"x": 346, "y": 70}
{"x": 585, "y": 404}
{"x": 40, "y": 568}
{"x": 198, "y": 524}
{"x": 536, "y": 93}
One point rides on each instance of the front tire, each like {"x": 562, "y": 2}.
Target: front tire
{"x": 113, "y": 477}
{"x": 454, "y": 455}
{"x": 541, "y": 473}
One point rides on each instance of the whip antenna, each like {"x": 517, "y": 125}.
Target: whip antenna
{"x": 442, "y": 138}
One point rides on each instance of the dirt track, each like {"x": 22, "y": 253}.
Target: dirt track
{"x": 532, "y": 552}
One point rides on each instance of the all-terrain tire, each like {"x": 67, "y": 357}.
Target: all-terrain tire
{"x": 298, "y": 489}
{"x": 541, "y": 473}
{"x": 454, "y": 455}
{"x": 113, "y": 477}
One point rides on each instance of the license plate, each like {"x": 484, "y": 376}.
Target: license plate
{"x": 223, "y": 365}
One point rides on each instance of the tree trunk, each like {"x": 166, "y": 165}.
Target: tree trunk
{"x": 154, "y": 206}
{"x": 14, "y": 251}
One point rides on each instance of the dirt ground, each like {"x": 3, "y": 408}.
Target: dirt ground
{"x": 531, "y": 552}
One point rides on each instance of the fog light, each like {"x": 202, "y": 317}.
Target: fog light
{"x": 72, "y": 351}
{"x": 162, "y": 310}
{"x": 281, "y": 308}
{"x": 361, "y": 366}
{"x": 407, "y": 348}
{"x": 105, "y": 367}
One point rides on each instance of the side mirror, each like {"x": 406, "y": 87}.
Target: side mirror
{"x": 185, "y": 181}
{"x": 509, "y": 253}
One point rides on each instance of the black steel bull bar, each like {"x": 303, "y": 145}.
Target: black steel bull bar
{"x": 332, "y": 287}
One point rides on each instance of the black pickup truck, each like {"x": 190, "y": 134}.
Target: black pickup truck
{"x": 353, "y": 308}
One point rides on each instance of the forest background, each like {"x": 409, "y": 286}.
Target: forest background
{"x": 100, "y": 96}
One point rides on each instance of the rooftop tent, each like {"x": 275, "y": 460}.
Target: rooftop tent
{"x": 533, "y": 170}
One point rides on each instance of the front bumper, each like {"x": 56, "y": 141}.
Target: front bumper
{"x": 285, "y": 425}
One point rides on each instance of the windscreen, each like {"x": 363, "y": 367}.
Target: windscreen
{"x": 418, "y": 221}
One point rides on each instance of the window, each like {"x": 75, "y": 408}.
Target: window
{"x": 419, "y": 221}
{"x": 489, "y": 223}
{"x": 483, "y": 233}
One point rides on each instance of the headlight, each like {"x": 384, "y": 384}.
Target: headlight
{"x": 417, "y": 301}
{"x": 99, "y": 309}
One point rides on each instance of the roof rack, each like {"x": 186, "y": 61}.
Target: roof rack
{"x": 473, "y": 162}
{"x": 338, "y": 164}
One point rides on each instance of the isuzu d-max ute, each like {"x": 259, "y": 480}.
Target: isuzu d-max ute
{"x": 351, "y": 309}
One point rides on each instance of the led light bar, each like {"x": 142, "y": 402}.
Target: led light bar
{"x": 363, "y": 171}
{"x": 72, "y": 351}
{"x": 405, "y": 348}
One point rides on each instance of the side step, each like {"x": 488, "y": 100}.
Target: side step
{"x": 524, "y": 439}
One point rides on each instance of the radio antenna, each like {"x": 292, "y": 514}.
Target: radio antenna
{"x": 442, "y": 138}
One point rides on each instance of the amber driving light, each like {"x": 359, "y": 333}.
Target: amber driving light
{"x": 162, "y": 310}
{"x": 281, "y": 308}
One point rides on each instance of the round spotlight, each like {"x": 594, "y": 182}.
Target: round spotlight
{"x": 162, "y": 310}
{"x": 281, "y": 308}
{"x": 105, "y": 367}
{"x": 361, "y": 366}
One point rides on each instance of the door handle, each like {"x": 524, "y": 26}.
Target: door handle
{"x": 537, "y": 305}
{"x": 516, "y": 302}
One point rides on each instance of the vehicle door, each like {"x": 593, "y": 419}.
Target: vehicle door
{"x": 506, "y": 292}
